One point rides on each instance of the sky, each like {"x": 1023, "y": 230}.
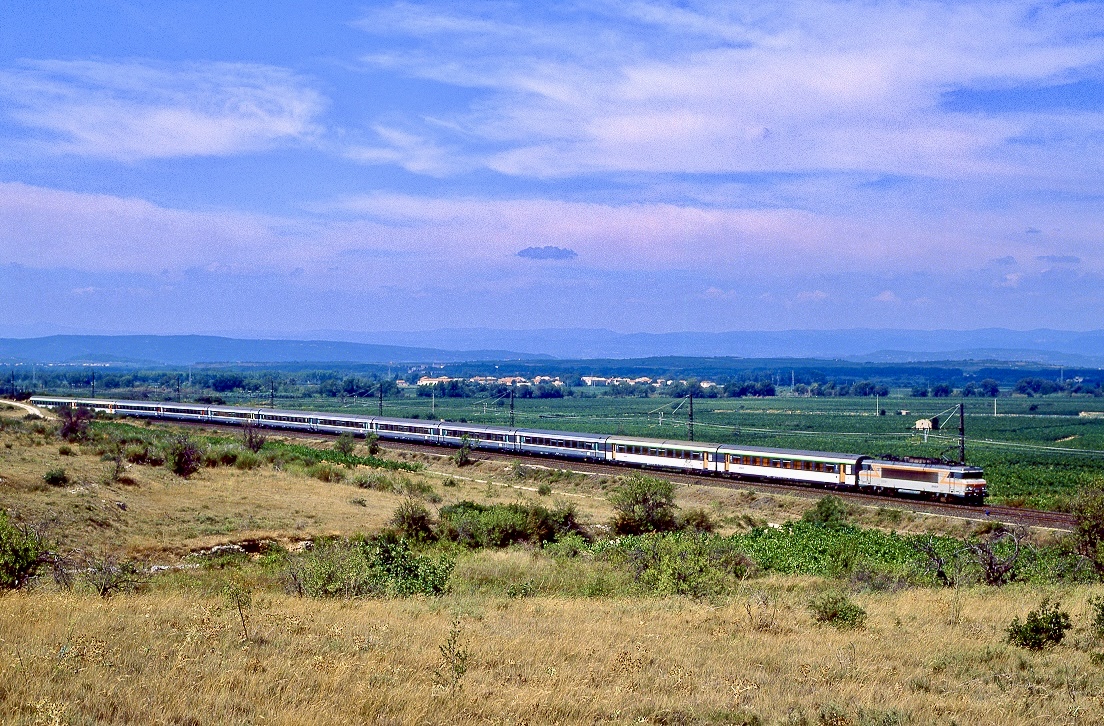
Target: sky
{"x": 268, "y": 167}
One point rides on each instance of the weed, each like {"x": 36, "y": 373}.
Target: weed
{"x": 65, "y": 450}
{"x": 325, "y": 471}
{"x": 544, "y": 489}
{"x": 239, "y": 597}
{"x": 454, "y": 659}
{"x": 836, "y": 609}
{"x": 358, "y": 501}
{"x": 1042, "y": 627}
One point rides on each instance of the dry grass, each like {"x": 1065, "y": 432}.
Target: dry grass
{"x": 176, "y": 658}
{"x": 175, "y": 653}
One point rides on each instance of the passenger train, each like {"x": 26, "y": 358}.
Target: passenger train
{"x": 854, "y": 472}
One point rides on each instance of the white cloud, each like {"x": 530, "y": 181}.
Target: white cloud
{"x": 131, "y": 111}
{"x": 721, "y": 87}
{"x": 886, "y": 296}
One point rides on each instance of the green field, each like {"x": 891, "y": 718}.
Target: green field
{"x": 1032, "y": 457}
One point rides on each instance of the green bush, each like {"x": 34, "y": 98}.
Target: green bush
{"x": 1042, "y": 627}
{"x": 376, "y": 480}
{"x": 65, "y": 450}
{"x": 544, "y": 489}
{"x": 56, "y": 477}
{"x": 246, "y": 460}
{"x": 367, "y": 569}
{"x": 836, "y": 609}
{"x": 643, "y": 504}
{"x": 143, "y": 453}
{"x": 20, "y": 553}
{"x": 829, "y": 511}
{"x": 500, "y": 525}
{"x": 696, "y": 565}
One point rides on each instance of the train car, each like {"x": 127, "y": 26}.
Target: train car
{"x": 404, "y": 429}
{"x": 660, "y": 453}
{"x": 277, "y": 419}
{"x": 807, "y": 467}
{"x": 588, "y": 447}
{"x": 478, "y": 436}
{"x": 919, "y": 478}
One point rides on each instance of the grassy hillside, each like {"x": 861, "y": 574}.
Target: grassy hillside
{"x": 317, "y": 617}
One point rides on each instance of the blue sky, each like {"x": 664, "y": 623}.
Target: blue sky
{"x": 280, "y": 168}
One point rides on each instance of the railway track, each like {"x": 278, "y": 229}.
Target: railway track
{"x": 982, "y": 513}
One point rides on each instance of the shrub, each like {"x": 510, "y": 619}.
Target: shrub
{"x": 462, "y": 457}
{"x": 183, "y": 457}
{"x": 74, "y": 423}
{"x": 834, "y": 608}
{"x": 829, "y": 511}
{"x": 143, "y": 453}
{"x": 501, "y": 525}
{"x": 697, "y": 520}
{"x": 65, "y": 450}
{"x": 345, "y": 445}
{"x": 252, "y": 438}
{"x": 411, "y": 519}
{"x": 106, "y": 575}
{"x": 1097, "y": 606}
{"x": 367, "y": 569}
{"x": 696, "y": 565}
{"x": 544, "y": 489}
{"x": 21, "y": 550}
{"x": 246, "y": 460}
{"x": 56, "y": 477}
{"x": 643, "y": 504}
{"x": 373, "y": 445}
{"x": 1088, "y": 512}
{"x": 1042, "y": 627}
{"x": 325, "y": 471}
{"x": 379, "y": 482}
{"x": 226, "y": 455}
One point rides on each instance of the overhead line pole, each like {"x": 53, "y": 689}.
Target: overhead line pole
{"x": 690, "y": 424}
{"x": 381, "y": 399}
{"x": 961, "y": 433}
{"x": 511, "y": 407}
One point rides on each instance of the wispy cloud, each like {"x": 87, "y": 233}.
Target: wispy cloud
{"x": 132, "y": 111}
{"x": 722, "y": 87}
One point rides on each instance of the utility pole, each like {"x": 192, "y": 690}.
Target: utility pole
{"x": 511, "y": 408}
{"x": 93, "y": 384}
{"x": 381, "y": 399}
{"x": 272, "y": 393}
{"x": 961, "y": 433}
{"x": 690, "y": 424}
{"x": 433, "y": 402}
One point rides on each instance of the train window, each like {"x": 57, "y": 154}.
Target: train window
{"x": 776, "y": 463}
{"x": 830, "y": 468}
{"x": 787, "y": 464}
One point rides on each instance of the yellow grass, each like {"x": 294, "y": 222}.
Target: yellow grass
{"x": 176, "y": 658}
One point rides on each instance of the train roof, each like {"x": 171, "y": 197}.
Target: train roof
{"x": 799, "y": 453}
{"x": 704, "y": 446}
{"x": 562, "y": 434}
{"x": 950, "y": 466}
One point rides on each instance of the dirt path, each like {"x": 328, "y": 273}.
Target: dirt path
{"x": 29, "y": 408}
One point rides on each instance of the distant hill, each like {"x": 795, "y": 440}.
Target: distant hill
{"x": 1051, "y": 347}
{"x": 1056, "y": 347}
{"x": 194, "y": 349}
